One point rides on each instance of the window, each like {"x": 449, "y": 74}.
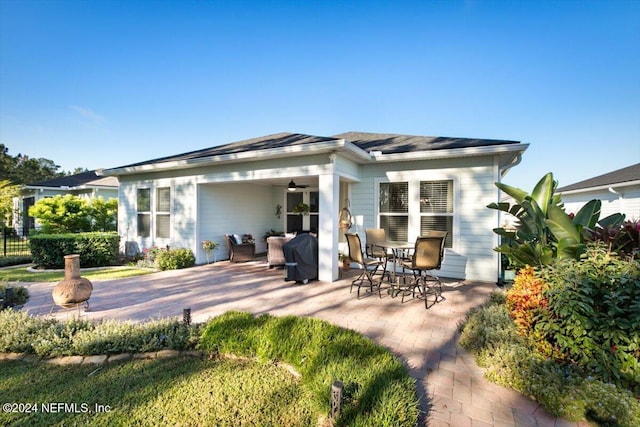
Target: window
{"x": 436, "y": 208}
{"x": 163, "y": 214}
{"x": 413, "y": 208}
{"x": 394, "y": 210}
{"x": 143, "y": 207}
{"x": 308, "y": 222}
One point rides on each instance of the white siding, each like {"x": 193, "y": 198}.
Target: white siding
{"x": 240, "y": 208}
{"x": 237, "y": 198}
{"x": 472, "y": 256}
{"x": 627, "y": 201}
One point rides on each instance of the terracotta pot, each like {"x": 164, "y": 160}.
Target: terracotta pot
{"x": 74, "y": 289}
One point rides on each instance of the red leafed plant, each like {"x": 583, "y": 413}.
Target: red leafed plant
{"x": 525, "y": 299}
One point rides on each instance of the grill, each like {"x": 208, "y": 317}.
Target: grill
{"x": 301, "y": 258}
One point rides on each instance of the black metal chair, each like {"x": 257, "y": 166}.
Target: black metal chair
{"x": 427, "y": 256}
{"x": 369, "y": 265}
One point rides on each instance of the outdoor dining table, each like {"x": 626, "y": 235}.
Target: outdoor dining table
{"x": 396, "y": 247}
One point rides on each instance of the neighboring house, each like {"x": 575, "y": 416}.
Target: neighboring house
{"x": 405, "y": 184}
{"x": 619, "y": 191}
{"x": 84, "y": 185}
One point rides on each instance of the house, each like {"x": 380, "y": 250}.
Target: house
{"x": 84, "y": 185}
{"x": 402, "y": 183}
{"x": 619, "y": 191}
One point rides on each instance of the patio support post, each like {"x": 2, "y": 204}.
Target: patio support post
{"x": 329, "y": 185}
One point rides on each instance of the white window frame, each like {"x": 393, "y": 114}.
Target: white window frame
{"x": 414, "y": 178}
{"x": 306, "y": 198}
{"x": 157, "y": 212}
{"x": 145, "y": 213}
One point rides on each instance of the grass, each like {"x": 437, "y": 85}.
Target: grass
{"x": 20, "y": 274}
{"x": 377, "y": 388}
{"x": 180, "y": 391}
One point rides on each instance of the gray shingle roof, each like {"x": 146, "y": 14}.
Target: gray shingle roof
{"x": 77, "y": 180}
{"x": 278, "y": 140}
{"x": 630, "y": 173}
{"x": 387, "y": 143}
{"x": 394, "y": 143}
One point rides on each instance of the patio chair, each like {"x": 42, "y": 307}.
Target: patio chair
{"x": 275, "y": 254}
{"x": 240, "y": 251}
{"x": 369, "y": 265}
{"x": 373, "y": 236}
{"x": 427, "y": 256}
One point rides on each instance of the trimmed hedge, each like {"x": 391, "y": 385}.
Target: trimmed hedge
{"x": 95, "y": 249}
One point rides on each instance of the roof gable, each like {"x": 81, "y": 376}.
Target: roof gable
{"x": 630, "y": 173}
{"x": 77, "y": 180}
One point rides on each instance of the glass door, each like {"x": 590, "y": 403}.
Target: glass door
{"x": 302, "y": 208}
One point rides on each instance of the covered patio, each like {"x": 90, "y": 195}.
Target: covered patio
{"x": 450, "y": 384}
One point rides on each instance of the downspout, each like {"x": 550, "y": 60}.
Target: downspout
{"x": 502, "y": 170}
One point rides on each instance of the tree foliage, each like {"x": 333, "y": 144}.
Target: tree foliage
{"x": 7, "y": 192}
{"x": 71, "y": 214}
{"x": 22, "y": 169}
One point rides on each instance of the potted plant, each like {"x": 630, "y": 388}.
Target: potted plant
{"x": 301, "y": 209}
{"x": 344, "y": 260}
{"x": 508, "y": 271}
{"x": 209, "y": 246}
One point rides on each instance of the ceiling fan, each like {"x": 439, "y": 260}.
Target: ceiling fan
{"x": 293, "y": 186}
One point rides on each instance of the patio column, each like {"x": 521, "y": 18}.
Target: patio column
{"x": 329, "y": 186}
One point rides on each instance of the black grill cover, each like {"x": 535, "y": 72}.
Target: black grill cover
{"x": 302, "y": 251}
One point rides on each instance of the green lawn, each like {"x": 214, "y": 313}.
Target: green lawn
{"x": 180, "y": 391}
{"x": 246, "y": 389}
{"x": 22, "y": 275}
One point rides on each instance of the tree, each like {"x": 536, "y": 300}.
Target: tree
{"x": 62, "y": 214}
{"x": 22, "y": 169}
{"x": 7, "y": 192}
{"x": 103, "y": 214}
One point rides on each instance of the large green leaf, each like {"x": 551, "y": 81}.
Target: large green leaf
{"x": 542, "y": 194}
{"x": 502, "y": 206}
{"x": 517, "y": 194}
{"x": 589, "y": 214}
{"x": 613, "y": 220}
{"x": 562, "y": 226}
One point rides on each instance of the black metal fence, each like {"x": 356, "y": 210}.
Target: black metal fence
{"x": 14, "y": 243}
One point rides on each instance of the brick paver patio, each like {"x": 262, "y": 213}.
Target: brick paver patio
{"x": 450, "y": 384}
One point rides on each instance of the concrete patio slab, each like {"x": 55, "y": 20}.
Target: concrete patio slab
{"x": 451, "y": 387}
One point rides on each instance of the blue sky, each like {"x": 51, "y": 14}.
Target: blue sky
{"x": 106, "y": 83}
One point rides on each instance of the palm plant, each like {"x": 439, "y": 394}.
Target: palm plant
{"x": 544, "y": 230}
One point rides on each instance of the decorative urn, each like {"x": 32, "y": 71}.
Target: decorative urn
{"x": 74, "y": 289}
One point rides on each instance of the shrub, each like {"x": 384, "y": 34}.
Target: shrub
{"x": 20, "y": 294}
{"x": 15, "y": 260}
{"x": 488, "y": 326}
{"x": 593, "y": 316}
{"x": 173, "y": 259}
{"x": 62, "y": 214}
{"x": 562, "y": 389}
{"x": 95, "y": 249}
{"x": 22, "y": 333}
{"x": 524, "y": 299}
{"x": 72, "y": 214}
{"x": 18, "y": 330}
